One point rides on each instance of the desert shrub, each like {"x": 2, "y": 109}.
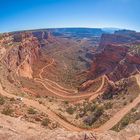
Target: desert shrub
{"x": 131, "y": 100}
{"x": 45, "y": 122}
{"x": 12, "y": 99}
{"x": 2, "y": 101}
{"x": 31, "y": 111}
{"x": 125, "y": 121}
{"x": 66, "y": 102}
{"x": 94, "y": 116}
{"x": 125, "y": 103}
{"x": 93, "y": 107}
{"x": 108, "y": 93}
{"x": 108, "y": 105}
{"x": 70, "y": 110}
{"x": 99, "y": 111}
{"x": 87, "y": 107}
{"x": 38, "y": 96}
{"x": 7, "y": 111}
{"x": 81, "y": 114}
{"x": 40, "y": 102}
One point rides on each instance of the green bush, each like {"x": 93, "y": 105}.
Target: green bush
{"x": 45, "y": 122}
{"x": 12, "y": 99}
{"x": 108, "y": 105}
{"x": 70, "y": 110}
{"x": 7, "y": 111}
{"x": 94, "y": 116}
{"x": 93, "y": 107}
{"x": 87, "y": 107}
{"x": 2, "y": 101}
{"x": 99, "y": 111}
{"x": 66, "y": 102}
{"x": 31, "y": 111}
{"x": 125, "y": 121}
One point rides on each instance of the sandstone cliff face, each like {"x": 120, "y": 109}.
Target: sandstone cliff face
{"x": 133, "y": 58}
{"x": 107, "y": 39}
{"x": 44, "y": 36}
{"x": 5, "y": 40}
{"x": 114, "y": 57}
{"x": 24, "y": 53}
{"x": 120, "y": 37}
{"x": 105, "y": 61}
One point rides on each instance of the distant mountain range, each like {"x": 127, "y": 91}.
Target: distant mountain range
{"x": 77, "y": 32}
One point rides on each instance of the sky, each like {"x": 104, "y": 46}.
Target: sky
{"x": 34, "y": 14}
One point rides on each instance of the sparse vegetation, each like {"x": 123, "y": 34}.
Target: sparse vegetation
{"x": 125, "y": 121}
{"x": 66, "y": 102}
{"x": 70, "y": 110}
{"x": 31, "y": 111}
{"x": 108, "y": 105}
{"x": 12, "y": 99}
{"x": 45, "y": 122}
{"x": 40, "y": 102}
{"x": 2, "y": 101}
{"x": 94, "y": 116}
{"x": 125, "y": 103}
{"x": 131, "y": 117}
{"x": 7, "y": 111}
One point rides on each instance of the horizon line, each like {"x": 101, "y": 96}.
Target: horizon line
{"x": 69, "y": 27}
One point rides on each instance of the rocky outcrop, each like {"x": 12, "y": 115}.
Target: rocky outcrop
{"x": 126, "y": 37}
{"x": 133, "y": 59}
{"x": 24, "y": 54}
{"x": 114, "y": 56}
{"x": 107, "y": 39}
{"x": 105, "y": 61}
{"x": 41, "y": 35}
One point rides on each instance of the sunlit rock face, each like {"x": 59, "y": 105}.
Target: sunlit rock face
{"x": 115, "y": 56}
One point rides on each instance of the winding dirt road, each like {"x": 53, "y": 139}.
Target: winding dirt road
{"x": 106, "y": 126}
{"x": 72, "y": 97}
{"x": 54, "y": 84}
{"x": 65, "y": 93}
{"x": 120, "y": 114}
{"x": 112, "y": 121}
{"x": 117, "y": 117}
{"x": 43, "y": 109}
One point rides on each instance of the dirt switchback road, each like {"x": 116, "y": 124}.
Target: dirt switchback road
{"x": 73, "y": 97}
{"x": 56, "y": 85}
{"x": 120, "y": 114}
{"x": 65, "y": 93}
{"x": 52, "y": 116}
{"x": 108, "y": 125}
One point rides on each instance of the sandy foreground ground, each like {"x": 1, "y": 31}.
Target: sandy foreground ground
{"x": 17, "y": 129}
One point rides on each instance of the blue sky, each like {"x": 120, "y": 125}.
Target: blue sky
{"x": 34, "y": 14}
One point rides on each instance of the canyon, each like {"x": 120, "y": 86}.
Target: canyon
{"x": 77, "y": 82}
